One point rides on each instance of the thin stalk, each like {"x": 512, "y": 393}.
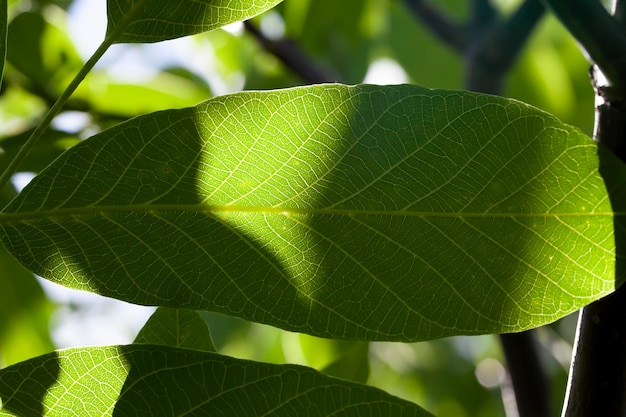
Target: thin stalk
{"x": 67, "y": 93}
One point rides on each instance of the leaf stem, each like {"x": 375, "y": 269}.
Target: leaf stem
{"x": 67, "y": 93}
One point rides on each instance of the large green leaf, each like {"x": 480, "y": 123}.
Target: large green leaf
{"x": 178, "y": 328}
{"x": 158, "y": 20}
{"x": 154, "y": 380}
{"x": 367, "y": 212}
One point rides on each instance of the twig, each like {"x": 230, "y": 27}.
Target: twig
{"x": 67, "y": 93}
{"x": 514, "y": 33}
{"x": 601, "y": 35}
{"x": 450, "y": 33}
{"x": 491, "y": 56}
{"x": 290, "y": 54}
{"x": 530, "y": 383}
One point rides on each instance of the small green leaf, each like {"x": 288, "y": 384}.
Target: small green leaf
{"x": 158, "y": 20}
{"x": 156, "y": 380}
{"x": 367, "y": 212}
{"x": 177, "y": 328}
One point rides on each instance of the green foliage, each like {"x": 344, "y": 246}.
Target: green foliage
{"x": 347, "y": 220}
{"x": 161, "y": 380}
{"x": 178, "y": 328}
{"x": 42, "y": 52}
{"x": 365, "y": 213}
{"x": 158, "y": 20}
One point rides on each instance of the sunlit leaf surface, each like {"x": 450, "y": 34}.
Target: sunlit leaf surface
{"x": 151, "y": 380}
{"x": 367, "y": 212}
{"x": 158, "y": 20}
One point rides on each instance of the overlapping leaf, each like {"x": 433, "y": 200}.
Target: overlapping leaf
{"x": 375, "y": 213}
{"x": 158, "y": 20}
{"x": 178, "y": 328}
{"x": 159, "y": 380}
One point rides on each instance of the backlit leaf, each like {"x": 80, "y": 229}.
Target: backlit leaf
{"x": 178, "y": 328}
{"x": 156, "y": 380}
{"x": 158, "y": 20}
{"x": 367, "y": 212}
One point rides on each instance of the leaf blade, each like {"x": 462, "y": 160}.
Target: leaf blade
{"x": 177, "y": 328}
{"x": 150, "y": 379}
{"x": 166, "y": 19}
{"x": 373, "y": 213}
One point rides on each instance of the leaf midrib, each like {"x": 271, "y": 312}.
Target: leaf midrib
{"x": 203, "y": 208}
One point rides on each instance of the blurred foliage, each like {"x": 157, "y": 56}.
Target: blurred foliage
{"x": 24, "y": 308}
{"x": 344, "y": 37}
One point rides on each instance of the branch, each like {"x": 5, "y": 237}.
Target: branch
{"x": 601, "y": 36}
{"x": 597, "y": 380}
{"x": 450, "y": 33}
{"x": 292, "y": 56}
{"x": 619, "y": 11}
{"x": 530, "y": 383}
{"x": 493, "y": 56}
{"x": 513, "y": 35}
{"x": 483, "y": 13}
